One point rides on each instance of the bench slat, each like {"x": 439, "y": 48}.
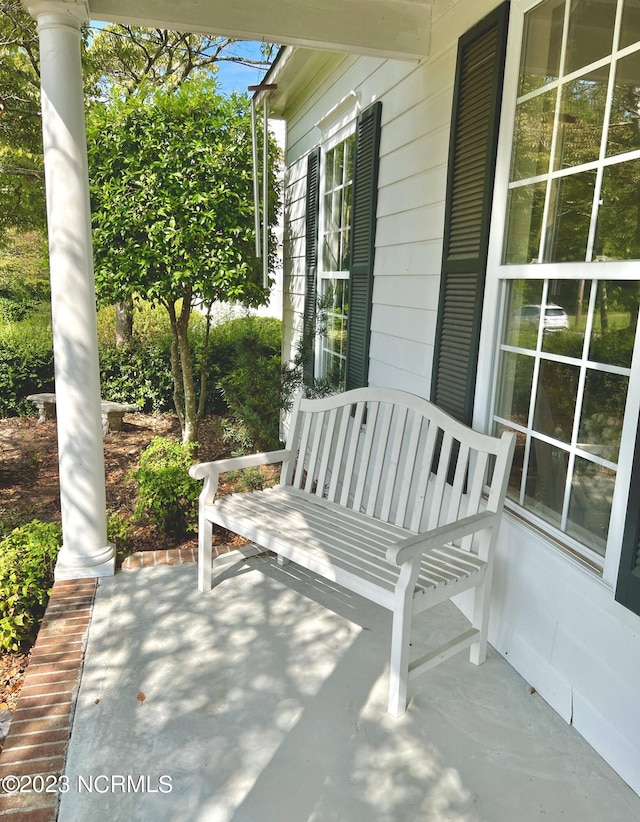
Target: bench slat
{"x": 352, "y": 452}
{"x": 372, "y": 417}
{"x": 385, "y": 428}
{"x": 324, "y": 465}
{"x": 340, "y": 448}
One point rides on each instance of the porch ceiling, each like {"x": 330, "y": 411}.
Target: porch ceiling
{"x": 385, "y": 28}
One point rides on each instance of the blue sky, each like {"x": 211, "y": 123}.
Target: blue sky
{"x": 235, "y": 77}
{"x": 232, "y": 76}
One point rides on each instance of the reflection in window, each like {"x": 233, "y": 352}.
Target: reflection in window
{"x": 515, "y": 387}
{"x": 337, "y": 186}
{"x": 565, "y": 394}
{"x": 624, "y": 128}
{"x": 590, "y": 503}
{"x": 542, "y": 42}
{"x": 618, "y": 228}
{"x": 532, "y": 144}
{"x": 569, "y": 217}
{"x": 582, "y": 105}
{"x": 546, "y": 480}
{"x": 605, "y": 395}
{"x": 593, "y": 212}
{"x": 566, "y": 355}
{"x": 630, "y": 32}
{"x": 524, "y": 223}
{"x": 614, "y": 322}
{"x": 590, "y": 33}
{"x": 333, "y": 320}
{"x": 556, "y": 400}
{"x": 337, "y": 206}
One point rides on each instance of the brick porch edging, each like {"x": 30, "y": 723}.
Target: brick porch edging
{"x": 41, "y": 724}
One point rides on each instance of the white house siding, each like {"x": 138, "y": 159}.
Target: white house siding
{"x": 555, "y": 621}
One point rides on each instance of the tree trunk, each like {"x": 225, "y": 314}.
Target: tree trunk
{"x": 204, "y": 368}
{"x": 184, "y": 393}
{"x": 176, "y": 370}
{"x": 190, "y": 426}
{"x": 124, "y": 323}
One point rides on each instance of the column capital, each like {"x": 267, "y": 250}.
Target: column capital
{"x": 71, "y": 12}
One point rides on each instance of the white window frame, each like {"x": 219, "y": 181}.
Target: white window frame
{"x": 335, "y": 127}
{"x": 494, "y": 309}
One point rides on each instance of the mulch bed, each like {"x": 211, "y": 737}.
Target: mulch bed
{"x": 29, "y": 489}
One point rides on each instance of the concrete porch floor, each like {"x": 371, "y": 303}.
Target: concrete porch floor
{"x": 265, "y": 699}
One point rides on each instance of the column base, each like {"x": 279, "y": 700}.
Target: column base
{"x": 102, "y": 565}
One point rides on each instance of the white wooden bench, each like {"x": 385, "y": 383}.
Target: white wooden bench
{"x": 385, "y": 494}
{"x": 112, "y": 412}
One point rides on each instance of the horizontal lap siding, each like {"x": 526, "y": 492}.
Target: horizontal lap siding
{"x": 416, "y": 114}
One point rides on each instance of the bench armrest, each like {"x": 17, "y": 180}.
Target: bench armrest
{"x": 210, "y": 471}
{"x": 413, "y": 546}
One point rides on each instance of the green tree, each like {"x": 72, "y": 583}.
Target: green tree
{"x": 21, "y": 164}
{"x": 171, "y": 184}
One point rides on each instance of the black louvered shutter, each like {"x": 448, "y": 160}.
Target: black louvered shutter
{"x": 472, "y": 159}
{"x": 363, "y": 231}
{"x": 311, "y": 265}
{"x": 628, "y": 585}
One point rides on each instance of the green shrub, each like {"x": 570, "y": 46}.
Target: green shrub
{"x": 167, "y": 495}
{"x": 137, "y": 373}
{"x": 27, "y": 561}
{"x": 231, "y": 344}
{"x": 253, "y": 393}
{"x": 26, "y": 362}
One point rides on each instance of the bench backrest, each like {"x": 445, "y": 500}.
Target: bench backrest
{"x": 395, "y": 456}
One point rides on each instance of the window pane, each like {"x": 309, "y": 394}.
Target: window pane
{"x": 618, "y": 229}
{"x": 541, "y": 46}
{"x": 590, "y": 503}
{"x": 523, "y": 316}
{"x": 328, "y": 168}
{"x": 338, "y": 165}
{"x": 565, "y": 318}
{"x": 630, "y": 23}
{"x": 331, "y": 251}
{"x": 334, "y": 312}
{"x": 556, "y": 399}
{"x": 624, "y": 128}
{"x": 614, "y": 323}
{"x": 515, "y": 387}
{"x": 532, "y": 140}
{"x": 570, "y": 217}
{"x": 582, "y": 105}
{"x": 546, "y": 480}
{"x": 590, "y": 33}
{"x": 524, "y": 224}
{"x": 602, "y": 414}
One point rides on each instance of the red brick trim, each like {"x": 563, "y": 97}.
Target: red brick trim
{"x": 36, "y": 744}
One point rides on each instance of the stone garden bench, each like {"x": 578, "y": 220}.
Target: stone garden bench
{"x": 112, "y": 412}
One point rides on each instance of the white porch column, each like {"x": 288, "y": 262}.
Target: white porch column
{"x": 85, "y": 551}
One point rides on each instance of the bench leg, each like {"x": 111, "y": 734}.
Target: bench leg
{"x": 480, "y": 619}
{"x": 282, "y": 561}
{"x": 400, "y": 640}
{"x": 205, "y": 536}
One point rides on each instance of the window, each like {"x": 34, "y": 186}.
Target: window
{"x": 341, "y": 200}
{"x": 572, "y": 298}
{"x": 335, "y": 261}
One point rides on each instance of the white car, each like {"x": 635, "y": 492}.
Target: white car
{"x": 555, "y": 317}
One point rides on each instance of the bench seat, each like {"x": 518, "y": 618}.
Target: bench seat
{"x": 341, "y": 545}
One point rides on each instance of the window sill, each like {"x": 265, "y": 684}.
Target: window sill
{"x": 560, "y": 543}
